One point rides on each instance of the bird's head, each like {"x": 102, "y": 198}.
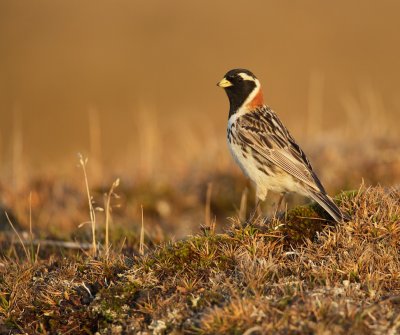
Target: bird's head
{"x": 243, "y": 90}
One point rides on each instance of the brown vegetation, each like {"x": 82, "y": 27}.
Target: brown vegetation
{"x": 256, "y": 277}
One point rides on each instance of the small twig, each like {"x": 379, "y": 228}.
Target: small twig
{"x": 108, "y": 214}
{"x": 54, "y": 243}
{"x": 255, "y": 329}
{"x": 87, "y": 289}
{"x": 30, "y": 227}
{"x": 141, "y": 242}
{"x": 122, "y": 245}
{"x": 71, "y": 330}
{"x": 92, "y": 213}
{"x": 37, "y": 250}
{"x": 19, "y": 237}
{"x": 207, "y": 211}
{"x": 243, "y": 205}
{"x": 311, "y": 218}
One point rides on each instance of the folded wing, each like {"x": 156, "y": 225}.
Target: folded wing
{"x": 265, "y": 134}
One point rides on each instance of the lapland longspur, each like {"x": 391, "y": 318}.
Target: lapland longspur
{"x": 264, "y": 148}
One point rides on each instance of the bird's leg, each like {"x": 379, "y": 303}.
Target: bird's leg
{"x": 260, "y": 197}
{"x": 258, "y": 207}
{"x": 282, "y": 196}
{"x": 256, "y": 211}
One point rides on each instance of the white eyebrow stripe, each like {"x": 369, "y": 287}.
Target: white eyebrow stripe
{"x": 245, "y": 76}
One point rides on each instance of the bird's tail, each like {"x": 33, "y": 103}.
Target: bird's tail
{"x": 327, "y": 203}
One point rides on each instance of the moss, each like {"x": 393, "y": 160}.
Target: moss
{"x": 195, "y": 254}
{"x": 345, "y": 196}
{"x": 305, "y": 221}
{"x": 245, "y": 232}
{"x": 207, "y": 299}
{"x": 114, "y": 303}
{"x": 284, "y": 302}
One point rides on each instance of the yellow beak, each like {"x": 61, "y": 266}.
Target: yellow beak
{"x": 224, "y": 83}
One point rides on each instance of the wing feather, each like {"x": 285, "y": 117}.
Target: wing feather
{"x": 281, "y": 150}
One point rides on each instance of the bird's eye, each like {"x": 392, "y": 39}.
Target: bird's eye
{"x": 239, "y": 79}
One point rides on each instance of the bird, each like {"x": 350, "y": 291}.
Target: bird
{"x": 263, "y": 147}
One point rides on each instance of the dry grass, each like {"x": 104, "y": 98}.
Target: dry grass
{"x": 256, "y": 277}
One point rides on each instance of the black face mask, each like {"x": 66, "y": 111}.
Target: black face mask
{"x": 240, "y": 89}
{"x": 238, "y": 93}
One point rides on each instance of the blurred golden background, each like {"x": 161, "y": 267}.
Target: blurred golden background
{"x": 134, "y": 70}
{"x": 132, "y": 85}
